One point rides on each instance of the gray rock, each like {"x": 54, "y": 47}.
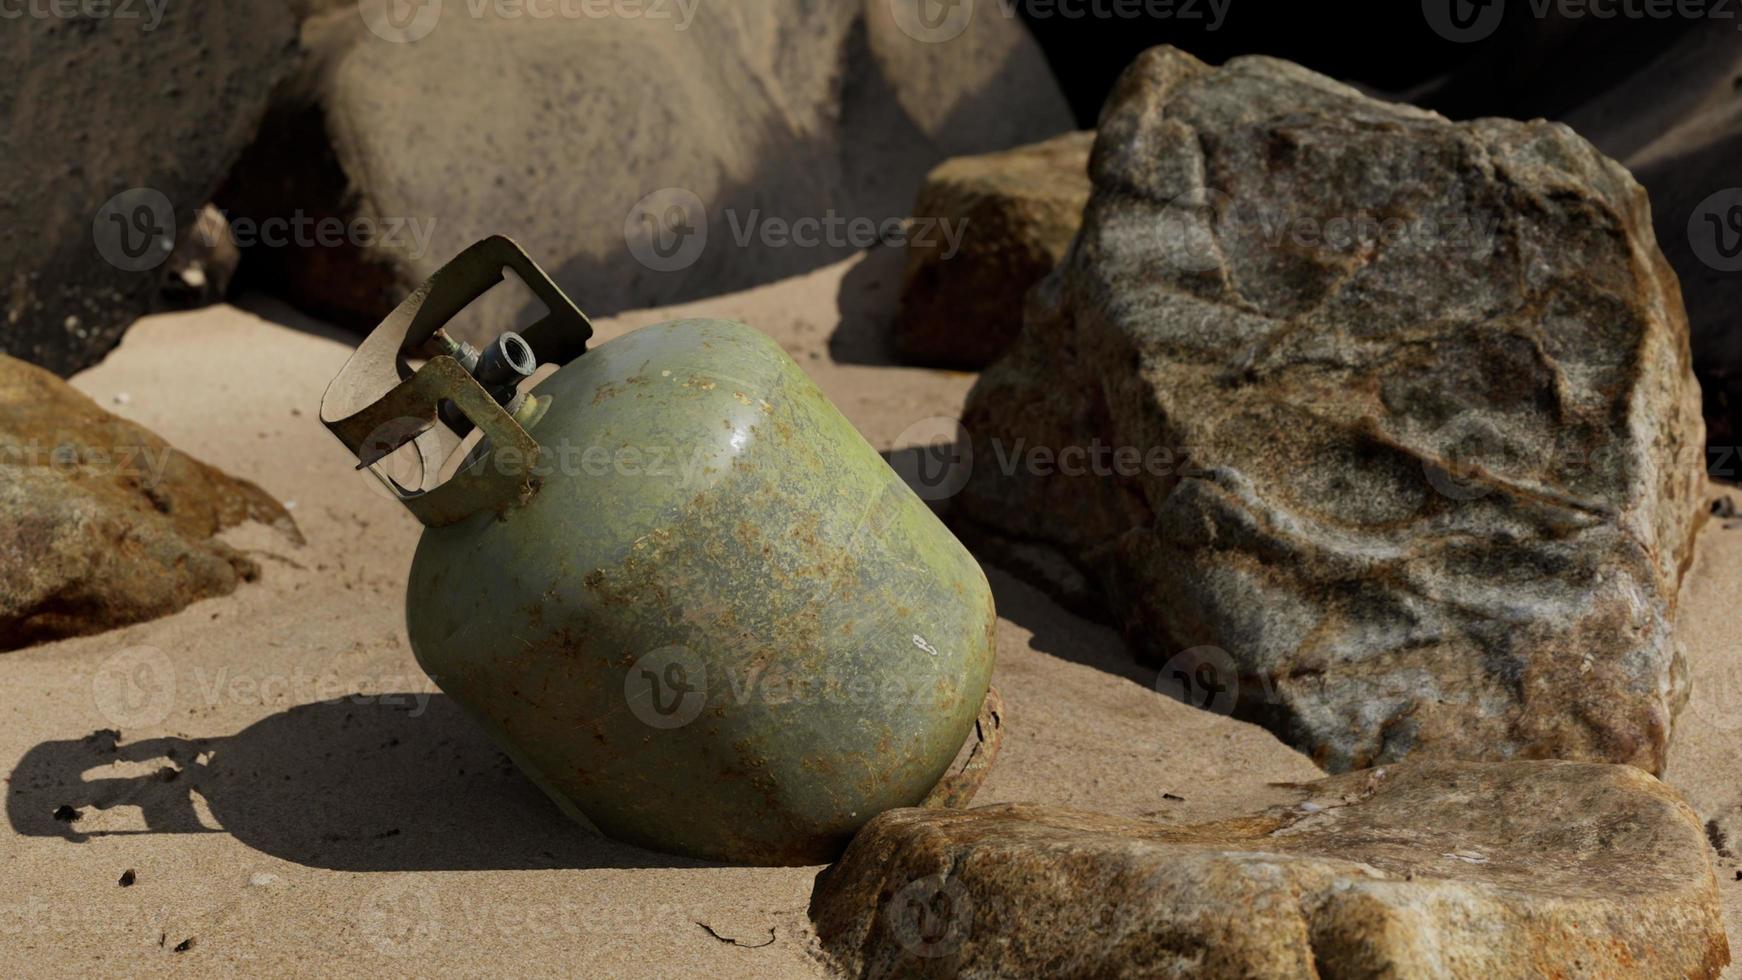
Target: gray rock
{"x": 642, "y": 159}
{"x": 1500, "y": 870}
{"x": 93, "y": 107}
{"x": 1384, "y": 425}
{"x": 106, "y": 524}
{"x": 1000, "y": 222}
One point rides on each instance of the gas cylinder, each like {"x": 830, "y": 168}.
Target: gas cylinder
{"x": 670, "y": 580}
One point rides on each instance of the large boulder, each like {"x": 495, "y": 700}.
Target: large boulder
{"x": 119, "y": 124}
{"x": 995, "y": 224}
{"x": 106, "y": 524}
{"x": 677, "y": 151}
{"x": 1501, "y": 870}
{"x": 1384, "y": 424}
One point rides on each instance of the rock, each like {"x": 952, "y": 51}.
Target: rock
{"x": 203, "y": 263}
{"x": 1677, "y": 124}
{"x": 120, "y": 124}
{"x": 687, "y": 151}
{"x": 1518, "y": 869}
{"x": 1384, "y": 424}
{"x": 1002, "y": 222}
{"x": 105, "y": 523}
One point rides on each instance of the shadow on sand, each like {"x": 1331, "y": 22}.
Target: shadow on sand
{"x": 397, "y": 782}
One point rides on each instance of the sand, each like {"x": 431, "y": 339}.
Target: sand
{"x": 330, "y": 812}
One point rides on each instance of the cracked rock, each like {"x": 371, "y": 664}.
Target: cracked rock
{"x": 1386, "y": 424}
{"x": 1498, "y": 870}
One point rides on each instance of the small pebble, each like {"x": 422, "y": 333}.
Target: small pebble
{"x": 128, "y": 878}
{"x": 261, "y": 879}
{"x": 122, "y": 398}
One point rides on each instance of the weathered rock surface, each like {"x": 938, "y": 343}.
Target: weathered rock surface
{"x": 105, "y": 523}
{"x": 1395, "y": 413}
{"x": 1520, "y": 869}
{"x": 1013, "y": 214}
{"x": 768, "y": 114}
{"x": 157, "y": 98}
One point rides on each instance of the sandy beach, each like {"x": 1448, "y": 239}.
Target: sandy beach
{"x": 330, "y": 811}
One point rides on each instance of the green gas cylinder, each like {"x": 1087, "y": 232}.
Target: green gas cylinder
{"x": 671, "y": 580}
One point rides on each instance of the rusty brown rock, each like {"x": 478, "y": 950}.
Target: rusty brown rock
{"x": 995, "y": 225}
{"x": 1393, "y": 414}
{"x": 1498, "y": 870}
{"x": 106, "y": 524}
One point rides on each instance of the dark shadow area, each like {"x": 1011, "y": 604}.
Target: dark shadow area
{"x": 867, "y": 301}
{"x": 1062, "y": 633}
{"x": 394, "y": 782}
{"x": 1527, "y": 66}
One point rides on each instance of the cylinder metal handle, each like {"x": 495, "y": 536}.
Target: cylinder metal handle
{"x": 377, "y": 404}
